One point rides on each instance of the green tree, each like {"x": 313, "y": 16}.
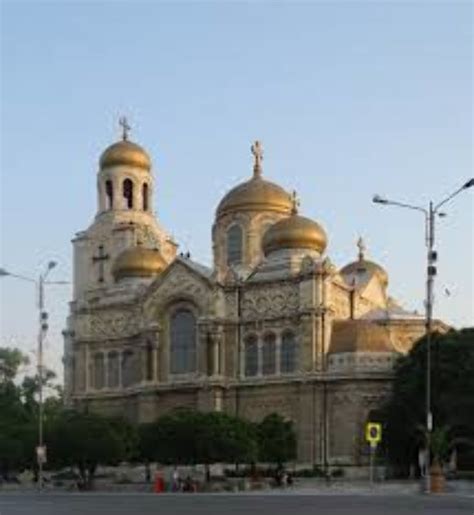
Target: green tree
{"x": 277, "y": 440}
{"x": 13, "y": 415}
{"x": 452, "y": 366}
{"x": 84, "y": 441}
{"x": 187, "y": 437}
{"x": 11, "y": 361}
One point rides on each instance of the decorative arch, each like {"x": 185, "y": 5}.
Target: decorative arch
{"x": 251, "y": 355}
{"x": 234, "y": 244}
{"x": 127, "y": 190}
{"x": 288, "y": 353}
{"x": 183, "y": 340}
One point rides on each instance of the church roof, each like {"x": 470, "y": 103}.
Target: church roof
{"x": 197, "y": 267}
{"x": 359, "y": 336}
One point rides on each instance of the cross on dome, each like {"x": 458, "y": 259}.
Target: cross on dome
{"x": 257, "y": 151}
{"x": 362, "y": 248}
{"x": 123, "y": 122}
{"x": 295, "y": 201}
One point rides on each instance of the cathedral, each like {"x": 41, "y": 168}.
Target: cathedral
{"x": 272, "y": 326}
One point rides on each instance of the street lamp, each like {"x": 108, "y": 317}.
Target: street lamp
{"x": 432, "y": 256}
{"x": 42, "y": 330}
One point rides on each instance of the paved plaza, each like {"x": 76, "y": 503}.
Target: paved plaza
{"x": 248, "y": 504}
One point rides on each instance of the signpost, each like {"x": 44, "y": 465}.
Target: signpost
{"x": 373, "y": 435}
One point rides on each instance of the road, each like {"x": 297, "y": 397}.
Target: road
{"x": 244, "y": 504}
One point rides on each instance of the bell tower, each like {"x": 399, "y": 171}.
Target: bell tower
{"x": 125, "y": 186}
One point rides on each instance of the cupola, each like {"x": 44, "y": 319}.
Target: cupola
{"x": 295, "y": 232}
{"x": 138, "y": 262}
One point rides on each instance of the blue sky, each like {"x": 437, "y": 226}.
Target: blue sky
{"x": 349, "y": 99}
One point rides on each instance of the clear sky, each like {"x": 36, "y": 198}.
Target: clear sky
{"x": 349, "y": 99}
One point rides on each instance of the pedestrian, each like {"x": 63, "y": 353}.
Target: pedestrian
{"x": 176, "y": 480}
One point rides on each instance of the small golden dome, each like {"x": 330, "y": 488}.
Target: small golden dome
{"x": 364, "y": 266}
{"x": 138, "y": 262}
{"x": 125, "y": 153}
{"x": 295, "y": 232}
{"x": 359, "y": 336}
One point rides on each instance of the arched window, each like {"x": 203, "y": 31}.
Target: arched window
{"x": 251, "y": 356}
{"x": 288, "y": 353}
{"x": 109, "y": 193}
{"x": 183, "y": 342}
{"x": 149, "y": 361}
{"x": 269, "y": 354}
{"x": 128, "y": 193}
{"x": 145, "y": 196}
{"x": 234, "y": 245}
{"x": 113, "y": 366}
{"x": 128, "y": 368}
{"x": 98, "y": 370}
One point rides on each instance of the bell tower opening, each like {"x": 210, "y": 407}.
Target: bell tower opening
{"x": 145, "y": 196}
{"x": 109, "y": 194}
{"x": 128, "y": 193}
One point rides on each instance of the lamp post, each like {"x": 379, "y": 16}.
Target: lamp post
{"x": 42, "y": 330}
{"x": 430, "y": 216}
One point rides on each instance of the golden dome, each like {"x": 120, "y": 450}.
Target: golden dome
{"x": 125, "y": 153}
{"x": 256, "y": 194}
{"x": 295, "y": 232}
{"x": 365, "y": 267}
{"x": 138, "y": 262}
{"x": 359, "y": 336}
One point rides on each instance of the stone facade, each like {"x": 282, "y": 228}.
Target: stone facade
{"x": 283, "y": 331}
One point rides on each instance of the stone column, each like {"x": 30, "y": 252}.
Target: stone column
{"x": 216, "y": 345}
{"x": 242, "y": 359}
{"x": 259, "y": 356}
{"x": 278, "y": 354}
{"x": 137, "y": 195}
{"x": 155, "y": 364}
{"x": 117, "y": 185}
{"x": 120, "y": 365}
{"x": 106, "y": 369}
{"x": 87, "y": 369}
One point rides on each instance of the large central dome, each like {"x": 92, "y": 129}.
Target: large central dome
{"x": 256, "y": 194}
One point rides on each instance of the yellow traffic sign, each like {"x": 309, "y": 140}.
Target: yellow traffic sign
{"x": 373, "y": 432}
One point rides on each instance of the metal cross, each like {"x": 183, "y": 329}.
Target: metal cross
{"x": 101, "y": 258}
{"x": 257, "y": 151}
{"x": 295, "y": 201}
{"x": 125, "y": 127}
{"x": 362, "y": 248}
